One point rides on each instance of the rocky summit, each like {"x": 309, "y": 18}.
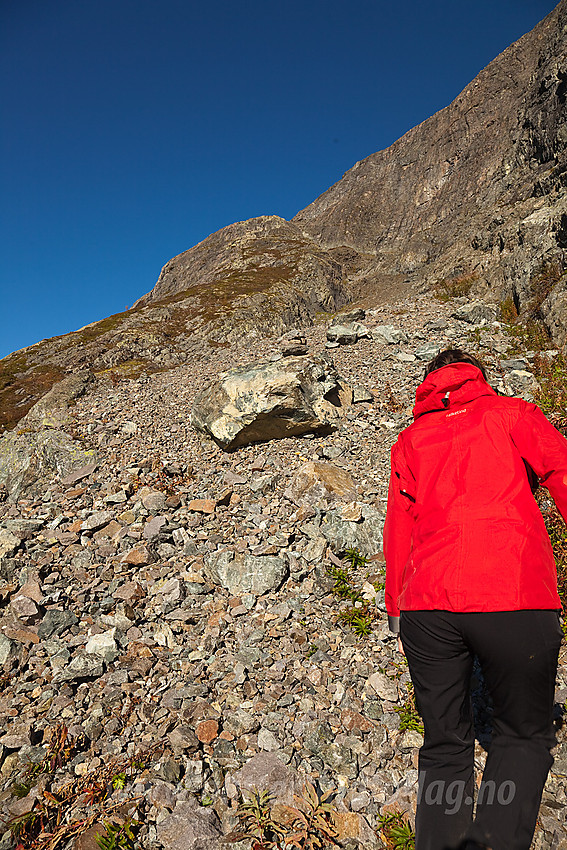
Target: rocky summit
{"x": 174, "y": 629}
{"x": 192, "y": 493}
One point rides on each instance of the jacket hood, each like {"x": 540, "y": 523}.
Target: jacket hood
{"x": 450, "y": 386}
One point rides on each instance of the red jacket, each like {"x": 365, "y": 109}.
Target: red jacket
{"x": 463, "y": 531}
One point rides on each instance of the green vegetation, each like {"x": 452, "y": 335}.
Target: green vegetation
{"x": 119, "y": 781}
{"x": 308, "y": 825}
{"x": 118, "y": 836}
{"x": 93, "y": 331}
{"x": 558, "y": 535}
{"x": 356, "y": 559}
{"x": 551, "y": 373}
{"x": 129, "y": 369}
{"x": 343, "y": 587}
{"x": 360, "y": 620}
{"x": 256, "y": 822}
{"x": 527, "y": 336}
{"x": 409, "y": 715}
{"x": 361, "y": 615}
{"x": 61, "y": 747}
{"x": 474, "y": 337}
{"x": 396, "y": 831}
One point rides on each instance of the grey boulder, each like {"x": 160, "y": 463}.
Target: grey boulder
{"x": 267, "y": 772}
{"x": 355, "y": 315}
{"x": 52, "y": 410}
{"x": 427, "y": 351}
{"x": 266, "y": 401}
{"x": 361, "y": 393}
{"x": 27, "y": 456}
{"x": 389, "y": 334}
{"x": 81, "y": 667}
{"x": 6, "y": 649}
{"x": 38, "y": 446}
{"x": 293, "y": 344}
{"x": 347, "y": 333}
{"x": 365, "y": 535}
{"x": 475, "y": 313}
{"x": 246, "y": 573}
{"x": 318, "y": 484}
{"x": 191, "y": 827}
{"x": 8, "y": 543}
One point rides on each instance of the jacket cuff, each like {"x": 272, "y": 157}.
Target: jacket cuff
{"x": 394, "y": 624}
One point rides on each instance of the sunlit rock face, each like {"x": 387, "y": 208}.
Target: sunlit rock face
{"x": 266, "y": 401}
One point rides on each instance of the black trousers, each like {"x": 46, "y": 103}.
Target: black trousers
{"x": 518, "y": 653}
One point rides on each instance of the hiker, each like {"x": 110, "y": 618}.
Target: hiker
{"x": 469, "y": 565}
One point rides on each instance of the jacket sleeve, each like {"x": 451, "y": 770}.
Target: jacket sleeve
{"x": 545, "y": 449}
{"x": 398, "y": 529}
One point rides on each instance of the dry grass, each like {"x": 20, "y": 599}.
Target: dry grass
{"x": 455, "y": 287}
{"x": 20, "y": 389}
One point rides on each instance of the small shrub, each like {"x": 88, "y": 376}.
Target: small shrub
{"x": 343, "y": 587}
{"x": 61, "y": 747}
{"x": 552, "y": 393}
{"x": 256, "y": 822}
{"x": 355, "y": 558}
{"x": 119, "y": 781}
{"x": 118, "y": 836}
{"x": 361, "y": 615}
{"x": 527, "y": 336}
{"x": 307, "y": 825}
{"x": 55, "y": 819}
{"x": 396, "y": 831}
{"x": 409, "y": 715}
{"x": 360, "y": 620}
{"x": 558, "y": 535}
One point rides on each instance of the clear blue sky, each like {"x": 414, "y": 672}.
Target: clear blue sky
{"x": 131, "y": 129}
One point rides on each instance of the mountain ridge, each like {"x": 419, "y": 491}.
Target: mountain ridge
{"x": 477, "y": 190}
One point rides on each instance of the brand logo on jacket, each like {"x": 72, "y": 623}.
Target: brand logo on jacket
{"x": 456, "y": 412}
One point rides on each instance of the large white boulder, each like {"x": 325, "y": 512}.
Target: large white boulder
{"x": 267, "y": 401}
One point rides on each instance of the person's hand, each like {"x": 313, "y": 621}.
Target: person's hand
{"x": 400, "y": 646}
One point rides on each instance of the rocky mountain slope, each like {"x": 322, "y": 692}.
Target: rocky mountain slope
{"x": 477, "y": 192}
{"x": 169, "y": 634}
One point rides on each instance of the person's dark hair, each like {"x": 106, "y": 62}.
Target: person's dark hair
{"x": 453, "y": 355}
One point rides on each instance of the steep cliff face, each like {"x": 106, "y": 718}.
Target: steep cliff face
{"x": 479, "y": 188}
